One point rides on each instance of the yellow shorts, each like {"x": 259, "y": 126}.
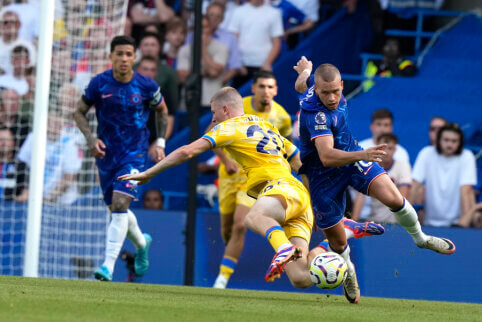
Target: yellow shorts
{"x": 299, "y": 215}
{"x": 232, "y": 192}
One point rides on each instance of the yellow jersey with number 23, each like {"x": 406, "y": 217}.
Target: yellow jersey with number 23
{"x": 256, "y": 146}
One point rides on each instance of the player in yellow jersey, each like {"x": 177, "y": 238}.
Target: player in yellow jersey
{"x": 234, "y": 203}
{"x": 282, "y": 212}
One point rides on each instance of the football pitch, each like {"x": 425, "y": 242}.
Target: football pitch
{"x": 28, "y": 299}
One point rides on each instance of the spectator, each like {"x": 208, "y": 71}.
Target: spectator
{"x": 153, "y": 199}
{"x": 382, "y": 122}
{"x": 294, "y": 21}
{"x": 10, "y": 117}
{"x": 400, "y": 173}
{"x": 68, "y": 96}
{"x": 28, "y": 13}
{"x": 214, "y": 60}
{"x": 62, "y": 163}
{"x": 9, "y": 35}
{"x": 148, "y": 67}
{"x": 436, "y": 123}
{"x": 261, "y": 103}
{"x": 214, "y": 15}
{"x": 229, "y": 8}
{"x": 165, "y": 76}
{"x": 12, "y": 174}
{"x": 392, "y": 64}
{"x": 176, "y": 31}
{"x": 310, "y": 8}
{"x": 448, "y": 172}
{"x": 20, "y": 59}
{"x": 259, "y": 28}
{"x": 142, "y": 12}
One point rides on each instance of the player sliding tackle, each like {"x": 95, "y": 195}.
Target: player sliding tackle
{"x": 332, "y": 160}
{"x": 282, "y": 212}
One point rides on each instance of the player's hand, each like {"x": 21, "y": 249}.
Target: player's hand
{"x": 375, "y": 154}
{"x": 303, "y": 64}
{"x": 156, "y": 153}
{"x": 141, "y": 178}
{"x": 231, "y": 167}
{"x": 97, "y": 148}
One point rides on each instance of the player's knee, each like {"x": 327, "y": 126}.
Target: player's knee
{"x": 239, "y": 228}
{"x": 119, "y": 204}
{"x": 338, "y": 245}
{"x": 394, "y": 200}
{"x": 250, "y": 220}
{"x": 226, "y": 234}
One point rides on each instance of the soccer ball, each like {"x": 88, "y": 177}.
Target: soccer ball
{"x": 328, "y": 270}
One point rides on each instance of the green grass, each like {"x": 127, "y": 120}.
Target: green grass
{"x": 28, "y": 299}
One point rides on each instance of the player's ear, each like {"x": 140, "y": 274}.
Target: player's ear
{"x": 341, "y": 83}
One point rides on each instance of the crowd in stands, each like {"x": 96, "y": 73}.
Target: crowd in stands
{"x": 240, "y": 39}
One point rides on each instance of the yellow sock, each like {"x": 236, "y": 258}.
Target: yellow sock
{"x": 228, "y": 264}
{"x": 276, "y": 237}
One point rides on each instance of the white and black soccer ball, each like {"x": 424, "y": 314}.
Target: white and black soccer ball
{"x": 328, "y": 270}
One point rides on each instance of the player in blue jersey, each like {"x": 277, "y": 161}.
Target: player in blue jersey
{"x": 332, "y": 160}
{"x": 123, "y": 100}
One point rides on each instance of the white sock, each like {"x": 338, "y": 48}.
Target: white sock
{"x": 346, "y": 256}
{"x": 408, "y": 219}
{"x": 283, "y": 246}
{"x": 349, "y": 233}
{"x": 116, "y": 233}
{"x": 134, "y": 233}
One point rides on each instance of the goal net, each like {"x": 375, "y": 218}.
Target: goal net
{"x": 74, "y": 216}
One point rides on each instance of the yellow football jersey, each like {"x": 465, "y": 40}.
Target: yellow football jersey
{"x": 256, "y": 146}
{"x": 276, "y": 115}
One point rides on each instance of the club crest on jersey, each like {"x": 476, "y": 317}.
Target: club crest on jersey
{"x": 320, "y": 118}
{"x": 136, "y": 99}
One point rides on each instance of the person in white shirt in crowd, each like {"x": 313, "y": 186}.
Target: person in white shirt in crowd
{"x": 259, "y": 28}
{"x": 381, "y": 123}
{"x": 448, "y": 172}
{"x": 10, "y": 38}
{"x": 20, "y": 60}
{"x": 63, "y": 161}
{"x": 310, "y": 8}
{"x": 400, "y": 173}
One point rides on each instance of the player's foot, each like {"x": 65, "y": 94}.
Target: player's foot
{"x": 439, "y": 245}
{"x": 103, "y": 274}
{"x": 141, "y": 263}
{"x": 351, "y": 288}
{"x": 280, "y": 260}
{"x": 221, "y": 282}
{"x": 363, "y": 229}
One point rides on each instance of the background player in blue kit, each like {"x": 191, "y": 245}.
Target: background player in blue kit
{"x": 332, "y": 160}
{"x": 123, "y": 100}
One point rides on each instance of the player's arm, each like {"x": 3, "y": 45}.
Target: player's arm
{"x": 64, "y": 183}
{"x": 467, "y": 202}
{"x": 303, "y": 68}
{"x": 162, "y": 123}
{"x": 332, "y": 157}
{"x": 178, "y": 156}
{"x": 96, "y": 146}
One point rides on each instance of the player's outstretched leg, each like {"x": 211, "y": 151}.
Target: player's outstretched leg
{"x": 265, "y": 218}
{"x": 361, "y": 229}
{"x": 383, "y": 189}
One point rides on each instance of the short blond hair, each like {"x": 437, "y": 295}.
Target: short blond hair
{"x": 228, "y": 96}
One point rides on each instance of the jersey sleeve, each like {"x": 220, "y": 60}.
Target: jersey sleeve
{"x": 310, "y": 81}
{"x": 318, "y": 125}
{"x": 220, "y": 135}
{"x": 91, "y": 92}
{"x": 154, "y": 93}
{"x": 290, "y": 148}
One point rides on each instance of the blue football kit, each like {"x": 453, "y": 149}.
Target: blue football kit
{"x": 122, "y": 110}
{"x": 328, "y": 184}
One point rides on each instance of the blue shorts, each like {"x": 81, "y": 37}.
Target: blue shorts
{"x": 327, "y": 190}
{"x": 109, "y": 182}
